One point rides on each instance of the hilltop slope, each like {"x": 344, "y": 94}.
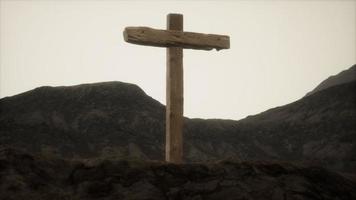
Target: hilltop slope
{"x": 345, "y": 76}
{"x": 24, "y": 176}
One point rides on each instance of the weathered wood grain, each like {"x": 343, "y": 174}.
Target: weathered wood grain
{"x": 174, "y": 95}
{"x": 175, "y": 38}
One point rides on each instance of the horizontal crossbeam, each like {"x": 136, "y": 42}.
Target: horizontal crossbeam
{"x": 169, "y": 38}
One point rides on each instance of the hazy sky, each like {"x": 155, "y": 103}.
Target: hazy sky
{"x": 280, "y": 50}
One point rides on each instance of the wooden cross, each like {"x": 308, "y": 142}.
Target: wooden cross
{"x": 174, "y": 39}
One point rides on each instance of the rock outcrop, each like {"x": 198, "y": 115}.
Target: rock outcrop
{"x": 24, "y": 176}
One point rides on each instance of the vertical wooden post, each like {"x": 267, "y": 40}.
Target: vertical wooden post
{"x": 174, "y": 95}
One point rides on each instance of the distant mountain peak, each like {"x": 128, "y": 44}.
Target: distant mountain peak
{"x": 112, "y": 91}
{"x": 345, "y": 76}
{"x": 110, "y": 86}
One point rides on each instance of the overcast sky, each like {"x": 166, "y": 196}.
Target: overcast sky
{"x": 280, "y": 50}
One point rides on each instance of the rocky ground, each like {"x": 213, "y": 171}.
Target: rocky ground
{"x": 25, "y": 176}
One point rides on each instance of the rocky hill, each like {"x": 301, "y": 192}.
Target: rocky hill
{"x": 116, "y": 119}
{"x": 345, "y": 76}
{"x": 319, "y": 128}
{"x": 84, "y": 121}
{"x": 25, "y": 176}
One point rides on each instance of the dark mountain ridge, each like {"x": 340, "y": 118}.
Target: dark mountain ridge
{"x": 116, "y": 119}
{"x": 345, "y": 76}
{"x": 71, "y": 118}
